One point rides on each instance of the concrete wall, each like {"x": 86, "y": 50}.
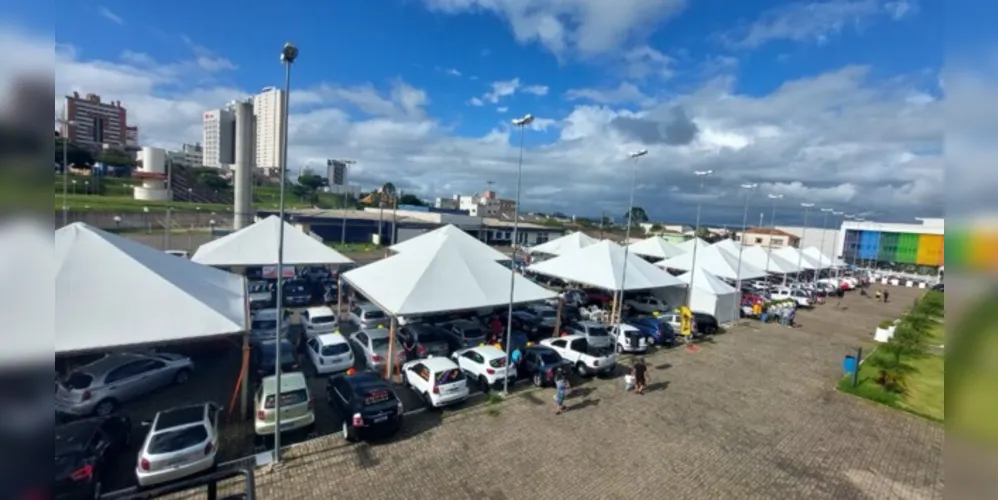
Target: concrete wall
{"x": 152, "y": 221}
{"x": 812, "y": 237}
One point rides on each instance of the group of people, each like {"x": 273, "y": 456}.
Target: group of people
{"x": 636, "y": 380}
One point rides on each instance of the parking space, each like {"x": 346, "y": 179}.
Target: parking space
{"x": 751, "y": 415}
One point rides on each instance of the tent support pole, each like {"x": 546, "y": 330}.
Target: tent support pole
{"x": 613, "y": 309}
{"x": 557, "y": 318}
{"x": 390, "y": 362}
{"x": 244, "y": 377}
{"x": 339, "y": 295}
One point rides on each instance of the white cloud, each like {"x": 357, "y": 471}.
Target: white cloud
{"x": 507, "y": 88}
{"x": 538, "y": 90}
{"x": 110, "y": 16}
{"x": 625, "y": 93}
{"x": 502, "y": 109}
{"x": 453, "y": 72}
{"x": 844, "y": 139}
{"x": 644, "y": 61}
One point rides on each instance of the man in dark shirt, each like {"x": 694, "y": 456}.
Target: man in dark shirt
{"x": 640, "y": 371}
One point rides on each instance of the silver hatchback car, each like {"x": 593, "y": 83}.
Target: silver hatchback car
{"x": 181, "y": 442}
{"x": 99, "y": 388}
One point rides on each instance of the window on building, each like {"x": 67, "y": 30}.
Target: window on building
{"x": 758, "y": 240}
{"x": 776, "y": 242}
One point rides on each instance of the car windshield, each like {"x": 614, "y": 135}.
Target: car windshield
{"x": 288, "y": 398}
{"x": 177, "y": 439}
{"x": 263, "y": 324}
{"x": 322, "y": 320}
{"x": 287, "y": 351}
{"x": 78, "y": 380}
{"x": 335, "y": 349}
{"x": 598, "y": 331}
{"x": 472, "y": 332}
{"x": 449, "y": 376}
{"x": 258, "y": 287}
{"x": 550, "y": 358}
{"x": 294, "y": 287}
{"x": 381, "y": 344}
{"x": 373, "y": 314}
{"x": 547, "y": 313}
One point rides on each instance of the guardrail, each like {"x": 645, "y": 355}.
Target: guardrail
{"x": 208, "y": 483}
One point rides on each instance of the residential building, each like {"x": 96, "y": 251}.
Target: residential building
{"x": 131, "y": 137}
{"x": 767, "y": 237}
{"x": 479, "y": 206}
{"x": 825, "y": 240}
{"x": 451, "y": 203}
{"x": 218, "y": 138}
{"x": 336, "y": 173}
{"x": 506, "y": 205}
{"x": 92, "y": 124}
{"x": 881, "y": 244}
{"x": 269, "y": 107}
{"x": 189, "y": 155}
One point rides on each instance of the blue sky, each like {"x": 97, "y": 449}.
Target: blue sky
{"x": 834, "y": 102}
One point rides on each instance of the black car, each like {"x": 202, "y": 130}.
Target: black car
{"x": 297, "y": 292}
{"x": 366, "y": 405}
{"x": 540, "y": 364}
{"x": 430, "y": 340}
{"x": 706, "y": 324}
{"x": 939, "y": 287}
{"x": 264, "y": 355}
{"x": 83, "y": 450}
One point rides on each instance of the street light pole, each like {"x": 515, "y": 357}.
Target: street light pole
{"x": 824, "y": 229}
{"x": 769, "y": 245}
{"x": 835, "y": 246}
{"x": 800, "y": 254}
{"x": 627, "y": 233}
{"x": 702, "y": 174}
{"x": 288, "y": 56}
{"x": 741, "y": 243}
{"x": 522, "y": 124}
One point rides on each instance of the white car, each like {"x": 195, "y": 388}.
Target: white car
{"x": 181, "y": 442}
{"x": 263, "y": 324}
{"x": 586, "y": 359}
{"x": 802, "y": 298}
{"x": 627, "y": 338}
{"x": 647, "y": 304}
{"x": 673, "y": 319}
{"x": 439, "y": 381}
{"x": 319, "y": 320}
{"x": 296, "y": 404}
{"x": 367, "y": 315}
{"x": 485, "y": 365}
{"x": 373, "y": 345}
{"x": 261, "y": 294}
{"x": 330, "y": 353}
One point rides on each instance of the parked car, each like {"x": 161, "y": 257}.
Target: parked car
{"x": 297, "y": 293}
{"x": 430, "y": 340}
{"x": 540, "y": 364}
{"x": 330, "y": 292}
{"x": 366, "y": 405}
{"x": 261, "y": 294}
{"x": 528, "y": 323}
{"x": 545, "y": 318}
{"x": 656, "y": 330}
{"x": 330, "y": 353}
{"x": 705, "y": 324}
{"x": 373, "y": 345}
{"x": 597, "y": 297}
{"x": 588, "y": 360}
{"x": 672, "y": 319}
{"x": 181, "y": 442}
{"x": 647, "y": 304}
{"x": 263, "y": 357}
{"x": 367, "y": 315}
{"x": 101, "y": 387}
{"x": 263, "y": 324}
{"x": 627, "y": 338}
{"x": 595, "y": 333}
{"x": 319, "y": 320}
{"x": 939, "y": 287}
{"x": 439, "y": 381}
{"x": 485, "y": 365}
{"x": 314, "y": 273}
{"x": 297, "y": 405}
{"x": 802, "y": 298}
{"x": 467, "y": 333}
{"x": 83, "y": 451}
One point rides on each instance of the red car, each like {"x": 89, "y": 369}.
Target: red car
{"x": 750, "y": 299}
{"x": 598, "y": 297}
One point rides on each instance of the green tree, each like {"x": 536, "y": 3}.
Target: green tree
{"x": 311, "y": 181}
{"x": 74, "y": 154}
{"x": 703, "y": 233}
{"x": 113, "y": 157}
{"x": 910, "y": 341}
{"x": 638, "y": 215}
{"x": 411, "y": 199}
{"x": 655, "y": 228}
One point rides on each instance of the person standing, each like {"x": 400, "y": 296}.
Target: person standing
{"x": 886, "y": 293}
{"x": 640, "y": 372}
{"x": 561, "y": 390}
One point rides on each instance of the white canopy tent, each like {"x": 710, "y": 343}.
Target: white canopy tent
{"x": 112, "y": 292}
{"x": 440, "y": 278}
{"x": 712, "y": 295}
{"x": 455, "y": 236}
{"x": 793, "y": 255}
{"x": 757, "y": 256}
{"x": 564, "y": 245}
{"x": 728, "y": 246}
{"x": 655, "y": 247}
{"x": 256, "y": 245}
{"x": 715, "y": 261}
{"x": 687, "y": 246}
{"x": 822, "y": 260}
{"x": 26, "y": 265}
{"x": 601, "y": 265}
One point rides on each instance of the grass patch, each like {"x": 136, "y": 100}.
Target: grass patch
{"x": 127, "y": 204}
{"x": 493, "y": 398}
{"x": 924, "y": 386}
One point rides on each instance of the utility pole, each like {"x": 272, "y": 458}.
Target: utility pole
{"x": 602, "y": 220}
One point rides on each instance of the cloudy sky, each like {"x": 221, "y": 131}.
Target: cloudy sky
{"x": 835, "y": 102}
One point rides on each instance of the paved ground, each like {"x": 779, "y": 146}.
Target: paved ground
{"x": 752, "y": 415}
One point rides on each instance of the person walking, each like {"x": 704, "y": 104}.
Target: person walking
{"x": 561, "y": 390}
{"x": 886, "y": 293}
{"x": 640, "y": 372}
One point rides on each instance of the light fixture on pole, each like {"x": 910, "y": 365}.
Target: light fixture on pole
{"x": 835, "y": 245}
{"x": 288, "y": 55}
{"x": 750, "y": 188}
{"x": 824, "y": 229}
{"x": 522, "y": 123}
{"x": 702, "y": 174}
{"x": 800, "y": 254}
{"x": 627, "y": 233}
{"x": 769, "y": 245}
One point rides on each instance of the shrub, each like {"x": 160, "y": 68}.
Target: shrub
{"x": 885, "y": 324}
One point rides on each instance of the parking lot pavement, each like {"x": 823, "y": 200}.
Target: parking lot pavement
{"x": 751, "y": 415}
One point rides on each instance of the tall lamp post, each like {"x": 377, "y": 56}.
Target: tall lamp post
{"x": 824, "y": 229}
{"x": 288, "y": 56}
{"x": 627, "y": 233}
{"x": 769, "y": 246}
{"x": 65, "y": 123}
{"x": 522, "y": 123}
{"x": 750, "y": 188}
{"x": 343, "y": 207}
{"x": 702, "y": 174}
{"x": 803, "y": 234}
{"x": 835, "y": 244}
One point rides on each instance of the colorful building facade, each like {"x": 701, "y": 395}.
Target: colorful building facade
{"x": 884, "y": 244}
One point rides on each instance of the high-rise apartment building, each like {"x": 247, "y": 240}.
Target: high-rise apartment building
{"x": 92, "y": 124}
{"x": 269, "y": 108}
{"x": 218, "y": 138}
{"x": 191, "y": 155}
{"x": 336, "y": 172}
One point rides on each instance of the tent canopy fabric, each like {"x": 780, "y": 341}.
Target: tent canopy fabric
{"x": 712, "y": 295}
{"x": 715, "y": 261}
{"x": 601, "y": 265}
{"x": 707, "y": 282}
{"x": 566, "y": 244}
{"x": 455, "y": 236}
{"x": 728, "y": 246}
{"x": 256, "y": 245}
{"x": 822, "y": 260}
{"x": 759, "y": 257}
{"x": 440, "y": 279}
{"x": 112, "y": 292}
{"x": 794, "y": 256}
{"x": 687, "y": 246}
{"x": 655, "y": 247}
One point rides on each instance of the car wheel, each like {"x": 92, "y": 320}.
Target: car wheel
{"x": 620, "y": 350}
{"x": 347, "y": 433}
{"x": 97, "y": 489}
{"x": 581, "y": 368}
{"x": 484, "y": 384}
{"x": 182, "y": 376}
{"x": 538, "y": 381}
{"x": 105, "y": 407}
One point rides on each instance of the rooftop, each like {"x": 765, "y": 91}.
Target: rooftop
{"x": 768, "y": 230}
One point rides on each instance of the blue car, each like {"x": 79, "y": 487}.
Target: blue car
{"x": 658, "y": 331}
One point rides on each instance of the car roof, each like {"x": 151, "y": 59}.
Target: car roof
{"x": 589, "y": 324}
{"x": 540, "y": 348}
{"x": 76, "y": 433}
{"x": 489, "y": 351}
{"x": 376, "y": 333}
{"x": 110, "y": 362}
{"x": 438, "y": 363}
{"x": 364, "y": 380}
{"x": 331, "y": 339}
{"x": 568, "y": 338}
{"x": 180, "y": 416}
{"x": 268, "y": 313}
{"x": 366, "y": 306}
{"x": 319, "y": 311}
{"x": 290, "y": 381}
{"x": 626, "y": 327}
{"x": 465, "y": 323}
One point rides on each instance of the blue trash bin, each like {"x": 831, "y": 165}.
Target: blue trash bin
{"x": 849, "y": 365}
